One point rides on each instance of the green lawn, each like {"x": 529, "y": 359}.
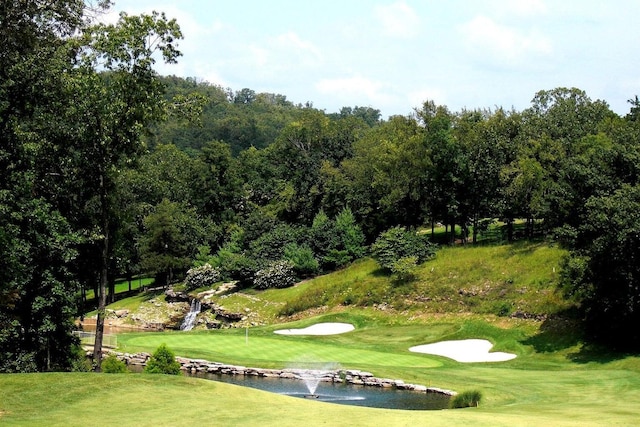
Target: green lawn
{"x": 122, "y": 286}
{"x": 567, "y": 386}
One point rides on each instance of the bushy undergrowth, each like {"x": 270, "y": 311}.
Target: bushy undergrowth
{"x": 112, "y": 365}
{"x": 303, "y": 260}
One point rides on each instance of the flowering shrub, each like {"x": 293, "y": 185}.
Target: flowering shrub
{"x": 278, "y": 274}
{"x": 199, "y": 277}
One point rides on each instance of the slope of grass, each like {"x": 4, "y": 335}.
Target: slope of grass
{"x": 501, "y": 279}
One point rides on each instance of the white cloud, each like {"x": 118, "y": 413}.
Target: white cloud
{"x": 282, "y": 52}
{"x": 500, "y": 43}
{"x": 524, "y": 8}
{"x": 351, "y": 88}
{"x": 291, "y": 44}
{"x": 398, "y": 20}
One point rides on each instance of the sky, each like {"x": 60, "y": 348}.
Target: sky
{"x": 393, "y": 55}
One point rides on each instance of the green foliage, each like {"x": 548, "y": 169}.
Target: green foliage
{"x": 466, "y": 399}
{"x": 198, "y": 277}
{"x": 112, "y": 365}
{"x": 404, "y": 269}
{"x": 397, "y": 244}
{"x": 277, "y": 274}
{"x": 350, "y": 235}
{"x": 336, "y": 242}
{"x": 172, "y": 237}
{"x": 162, "y": 361}
{"x": 304, "y": 263}
{"x": 270, "y": 246}
{"x": 603, "y": 273}
{"x": 79, "y": 360}
{"x": 37, "y": 288}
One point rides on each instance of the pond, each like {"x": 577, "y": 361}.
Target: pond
{"x": 376, "y": 397}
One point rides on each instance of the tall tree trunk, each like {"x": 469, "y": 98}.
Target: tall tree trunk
{"x": 104, "y": 268}
{"x": 475, "y": 229}
{"x": 112, "y": 288}
{"x": 465, "y": 233}
{"x": 452, "y": 239}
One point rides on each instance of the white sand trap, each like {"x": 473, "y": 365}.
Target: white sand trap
{"x": 465, "y": 351}
{"x": 319, "y": 329}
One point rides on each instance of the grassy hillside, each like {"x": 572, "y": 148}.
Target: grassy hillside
{"x": 503, "y": 280}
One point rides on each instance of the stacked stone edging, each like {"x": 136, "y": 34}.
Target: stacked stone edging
{"x": 346, "y": 376}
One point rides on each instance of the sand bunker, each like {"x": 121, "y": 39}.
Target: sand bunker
{"x": 465, "y": 351}
{"x": 319, "y": 329}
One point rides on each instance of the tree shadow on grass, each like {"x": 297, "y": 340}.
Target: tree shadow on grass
{"x": 557, "y": 333}
{"x": 595, "y": 353}
{"x": 565, "y": 330}
{"x": 380, "y": 272}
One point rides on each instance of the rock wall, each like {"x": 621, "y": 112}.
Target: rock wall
{"x": 348, "y": 376}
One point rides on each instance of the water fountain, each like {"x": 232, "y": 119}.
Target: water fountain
{"x": 311, "y": 380}
{"x": 190, "y": 319}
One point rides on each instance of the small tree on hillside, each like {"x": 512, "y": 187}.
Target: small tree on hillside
{"x": 398, "y": 248}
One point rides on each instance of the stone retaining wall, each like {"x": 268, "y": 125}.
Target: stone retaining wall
{"x": 347, "y": 376}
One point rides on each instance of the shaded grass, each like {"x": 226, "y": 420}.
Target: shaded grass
{"x": 122, "y": 286}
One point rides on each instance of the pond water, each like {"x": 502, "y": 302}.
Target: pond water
{"x": 388, "y": 398}
{"x": 89, "y": 325}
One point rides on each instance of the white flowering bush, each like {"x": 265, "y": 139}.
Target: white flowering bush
{"x": 198, "y": 277}
{"x": 278, "y": 274}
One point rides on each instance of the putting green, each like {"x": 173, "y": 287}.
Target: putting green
{"x": 269, "y": 351}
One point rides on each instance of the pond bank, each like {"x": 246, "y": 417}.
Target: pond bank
{"x": 343, "y": 376}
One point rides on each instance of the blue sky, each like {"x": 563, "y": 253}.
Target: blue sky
{"x": 393, "y": 55}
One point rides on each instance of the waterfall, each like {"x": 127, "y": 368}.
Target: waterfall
{"x": 190, "y": 318}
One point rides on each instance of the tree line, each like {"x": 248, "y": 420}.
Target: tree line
{"x": 109, "y": 170}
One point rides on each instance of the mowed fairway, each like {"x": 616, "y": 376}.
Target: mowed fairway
{"x": 273, "y": 351}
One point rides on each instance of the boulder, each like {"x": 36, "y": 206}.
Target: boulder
{"x": 173, "y": 296}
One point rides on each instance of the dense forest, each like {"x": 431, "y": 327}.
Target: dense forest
{"x": 109, "y": 170}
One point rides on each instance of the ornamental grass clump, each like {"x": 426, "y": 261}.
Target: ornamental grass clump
{"x": 278, "y": 274}
{"x": 466, "y": 399}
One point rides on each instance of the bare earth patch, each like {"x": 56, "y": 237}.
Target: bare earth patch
{"x": 319, "y": 329}
{"x": 465, "y": 351}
